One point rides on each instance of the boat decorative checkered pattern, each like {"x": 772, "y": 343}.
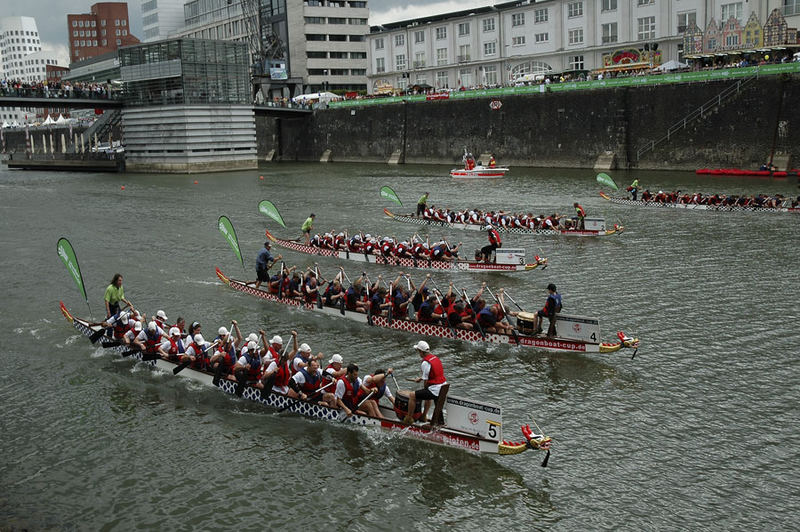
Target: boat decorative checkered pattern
{"x": 696, "y": 207}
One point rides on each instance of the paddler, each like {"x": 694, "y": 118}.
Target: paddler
{"x": 581, "y": 212}
{"x": 174, "y": 346}
{"x": 377, "y": 383}
{"x": 263, "y": 263}
{"x": 422, "y": 204}
{"x": 349, "y": 393}
{"x": 113, "y": 295}
{"x": 307, "y": 226}
{"x": 551, "y": 307}
{"x": 332, "y": 373}
{"x": 307, "y": 382}
{"x": 248, "y": 366}
{"x": 150, "y": 340}
{"x": 432, "y": 381}
{"x": 132, "y": 333}
{"x": 279, "y": 372}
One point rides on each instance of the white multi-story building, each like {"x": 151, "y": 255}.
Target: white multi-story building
{"x": 498, "y": 44}
{"x": 162, "y": 18}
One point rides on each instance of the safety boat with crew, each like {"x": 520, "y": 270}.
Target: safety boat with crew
{"x": 403, "y": 306}
{"x": 410, "y": 253}
{"x": 710, "y": 202}
{"x": 509, "y": 222}
{"x": 462, "y": 423}
{"x": 476, "y": 170}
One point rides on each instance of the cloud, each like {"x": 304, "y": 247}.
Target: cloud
{"x": 381, "y": 12}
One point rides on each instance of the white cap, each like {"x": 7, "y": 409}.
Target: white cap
{"x": 423, "y": 346}
{"x": 161, "y": 315}
{"x": 336, "y": 358}
{"x": 305, "y": 348}
{"x": 251, "y": 346}
{"x": 174, "y": 332}
{"x": 124, "y": 318}
{"x": 367, "y": 236}
{"x": 252, "y": 338}
{"x": 137, "y": 326}
{"x": 276, "y": 340}
{"x": 152, "y": 326}
{"x": 198, "y": 339}
{"x": 222, "y": 331}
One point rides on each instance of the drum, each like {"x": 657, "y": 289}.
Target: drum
{"x": 401, "y": 406}
{"x": 525, "y": 322}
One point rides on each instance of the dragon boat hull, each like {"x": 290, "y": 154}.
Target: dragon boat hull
{"x": 421, "y": 264}
{"x": 484, "y": 440}
{"x": 557, "y": 345}
{"x": 695, "y": 206}
{"x": 407, "y": 218}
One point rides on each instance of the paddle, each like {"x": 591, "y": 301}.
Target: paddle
{"x": 346, "y": 417}
{"x": 280, "y": 281}
{"x": 314, "y": 394}
{"x": 267, "y": 389}
{"x": 477, "y": 323}
{"x": 446, "y": 317}
{"x": 512, "y": 300}
{"x": 183, "y": 365}
{"x": 505, "y": 316}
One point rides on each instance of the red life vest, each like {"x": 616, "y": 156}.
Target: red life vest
{"x": 436, "y": 374}
{"x": 275, "y": 355}
{"x": 151, "y": 342}
{"x": 494, "y": 237}
{"x": 283, "y": 375}
{"x": 229, "y": 358}
{"x": 120, "y": 329}
{"x": 580, "y": 211}
{"x": 198, "y": 352}
{"x": 386, "y": 247}
{"x": 351, "y": 392}
{"x": 173, "y": 347}
{"x": 312, "y": 382}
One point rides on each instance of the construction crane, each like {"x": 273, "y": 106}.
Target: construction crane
{"x": 263, "y": 44}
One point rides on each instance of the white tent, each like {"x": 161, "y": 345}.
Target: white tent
{"x": 670, "y": 65}
{"x": 316, "y": 97}
{"x": 6, "y": 124}
{"x": 14, "y": 124}
{"x": 48, "y": 121}
{"x": 61, "y": 119}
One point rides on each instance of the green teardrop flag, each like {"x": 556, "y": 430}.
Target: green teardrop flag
{"x": 388, "y": 193}
{"x": 605, "y": 179}
{"x": 266, "y": 207}
{"x": 227, "y": 230}
{"x": 67, "y": 255}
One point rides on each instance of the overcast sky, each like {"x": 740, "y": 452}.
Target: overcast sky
{"x": 51, "y": 15}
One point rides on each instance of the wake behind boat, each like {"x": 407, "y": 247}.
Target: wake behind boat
{"x": 572, "y": 334}
{"x": 402, "y": 254}
{"x": 470, "y": 425}
{"x": 715, "y": 202}
{"x": 518, "y": 224}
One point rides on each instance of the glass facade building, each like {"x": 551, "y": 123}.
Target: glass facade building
{"x": 185, "y": 71}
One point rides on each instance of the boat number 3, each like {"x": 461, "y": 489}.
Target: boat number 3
{"x": 522, "y": 260}
{"x": 492, "y": 431}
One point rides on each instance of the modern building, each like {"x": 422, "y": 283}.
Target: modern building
{"x": 187, "y": 106}
{"x": 162, "y": 18}
{"x": 499, "y": 44}
{"x": 104, "y": 29}
{"x": 308, "y": 45}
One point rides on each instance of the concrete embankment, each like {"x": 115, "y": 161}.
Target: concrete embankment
{"x": 565, "y": 129}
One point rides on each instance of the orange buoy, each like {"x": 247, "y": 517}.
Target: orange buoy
{"x": 261, "y": 177}
{"x": 195, "y": 181}
{"x": 122, "y": 187}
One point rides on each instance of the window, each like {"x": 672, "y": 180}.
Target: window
{"x": 317, "y": 55}
{"x": 685, "y": 20}
{"x": 540, "y": 15}
{"x": 463, "y": 53}
{"x": 315, "y": 20}
{"x": 124, "y": 22}
{"x": 337, "y": 38}
{"x": 357, "y": 38}
{"x": 422, "y": 79}
{"x": 541, "y": 37}
{"x": 576, "y": 62}
{"x": 105, "y": 42}
{"x": 489, "y": 48}
{"x": 119, "y": 32}
{"x": 609, "y": 5}
{"x": 82, "y": 33}
{"x": 80, "y": 23}
{"x": 575, "y": 9}
{"x": 647, "y": 28}
{"x": 76, "y": 43}
{"x": 119, "y": 43}
{"x": 419, "y": 36}
{"x": 441, "y": 56}
{"x": 103, "y": 33}
{"x": 518, "y": 41}
{"x": 103, "y": 22}
{"x": 732, "y": 40}
{"x": 463, "y": 29}
{"x": 124, "y": 33}
{"x": 490, "y": 75}
{"x": 380, "y": 65}
{"x": 358, "y": 72}
{"x": 357, "y": 21}
{"x": 94, "y": 43}
{"x": 358, "y": 55}
{"x": 465, "y": 77}
{"x": 441, "y": 33}
{"x": 94, "y": 24}
{"x": 576, "y": 36}
{"x": 74, "y": 33}
{"x": 441, "y": 80}
{"x": 379, "y": 44}
{"x": 645, "y": 2}
{"x": 731, "y": 10}
{"x": 337, "y": 20}
{"x": 419, "y": 60}
{"x": 315, "y": 37}
{"x": 610, "y": 33}
{"x": 116, "y": 22}
{"x": 488, "y": 24}
{"x": 400, "y": 62}
{"x": 399, "y": 40}
{"x": 791, "y": 7}
{"x": 74, "y": 23}
{"x": 518, "y": 19}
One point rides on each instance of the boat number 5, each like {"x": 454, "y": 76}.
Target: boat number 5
{"x": 492, "y": 431}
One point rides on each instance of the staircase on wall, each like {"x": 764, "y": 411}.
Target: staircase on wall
{"x": 101, "y": 127}
{"x": 726, "y": 96}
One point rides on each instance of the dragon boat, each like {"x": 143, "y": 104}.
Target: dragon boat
{"x": 469, "y": 424}
{"x": 696, "y": 206}
{"x": 573, "y": 334}
{"x": 506, "y": 260}
{"x": 593, "y": 226}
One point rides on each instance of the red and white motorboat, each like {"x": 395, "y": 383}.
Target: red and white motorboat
{"x": 471, "y": 170}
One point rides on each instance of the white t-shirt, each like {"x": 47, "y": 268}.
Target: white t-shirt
{"x": 300, "y": 379}
{"x": 296, "y": 362}
{"x": 130, "y": 335}
{"x": 426, "y": 369}
{"x": 191, "y": 352}
{"x": 386, "y": 391}
{"x": 340, "y": 388}
{"x": 273, "y": 366}
{"x": 142, "y": 336}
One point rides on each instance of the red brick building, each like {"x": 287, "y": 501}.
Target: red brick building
{"x": 55, "y": 72}
{"x": 104, "y": 30}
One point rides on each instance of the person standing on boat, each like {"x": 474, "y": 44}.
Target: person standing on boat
{"x": 581, "y": 212}
{"x": 634, "y": 189}
{"x": 306, "y": 228}
{"x": 422, "y": 204}
{"x": 263, "y": 263}
{"x": 114, "y": 294}
{"x": 494, "y": 243}
{"x": 432, "y": 381}
{"x": 551, "y": 307}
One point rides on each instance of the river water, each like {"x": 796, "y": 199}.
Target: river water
{"x": 698, "y": 431}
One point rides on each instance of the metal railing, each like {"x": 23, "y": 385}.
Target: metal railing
{"x": 725, "y": 96}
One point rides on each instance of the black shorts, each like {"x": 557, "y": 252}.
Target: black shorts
{"x": 424, "y": 394}
{"x": 262, "y": 275}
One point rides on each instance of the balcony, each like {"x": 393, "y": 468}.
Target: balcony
{"x": 464, "y": 58}
{"x": 419, "y": 64}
